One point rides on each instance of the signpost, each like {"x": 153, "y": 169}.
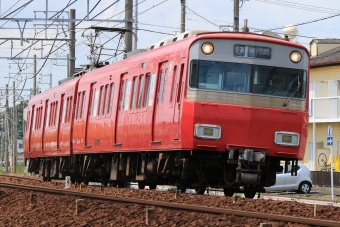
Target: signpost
{"x": 330, "y": 144}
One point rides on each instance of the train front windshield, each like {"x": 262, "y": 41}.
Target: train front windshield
{"x": 246, "y": 78}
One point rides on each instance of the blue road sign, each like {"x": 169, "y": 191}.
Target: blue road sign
{"x": 329, "y": 140}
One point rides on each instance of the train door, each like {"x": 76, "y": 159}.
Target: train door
{"x": 92, "y": 111}
{"x": 61, "y": 114}
{"x": 123, "y": 104}
{"x": 159, "y": 115}
{"x": 177, "y": 103}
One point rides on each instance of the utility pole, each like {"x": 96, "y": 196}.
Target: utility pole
{"x": 72, "y": 43}
{"x": 14, "y": 133}
{"x": 6, "y": 131}
{"x": 182, "y": 16}
{"x": 34, "y": 75}
{"x": 136, "y": 24}
{"x": 128, "y": 25}
{"x": 236, "y": 15}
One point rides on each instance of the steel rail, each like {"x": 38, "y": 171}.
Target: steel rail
{"x": 177, "y": 206}
{"x": 21, "y": 177}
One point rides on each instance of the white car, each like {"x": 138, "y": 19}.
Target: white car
{"x": 301, "y": 183}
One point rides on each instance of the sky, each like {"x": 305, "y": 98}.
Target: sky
{"x": 157, "y": 19}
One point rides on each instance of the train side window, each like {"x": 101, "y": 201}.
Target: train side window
{"x": 55, "y": 113}
{"x": 173, "y": 86}
{"x": 47, "y": 113}
{"x": 140, "y": 91}
{"x": 121, "y": 98}
{"x": 83, "y": 105}
{"x": 63, "y": 110}
{"x": 146, "y": 91}
{"x": 91, "y": 100}
{"x": 101, "y": 97}
{"x": 134, "y": 92}
{"x": 127, "y": 95}
{"x": 50, "y": 115}
{"x": 112, "y": 88}
{"x": 179, "y": 94}
{"x": 95, "y": 102}
{"x": 69, "y": 110}
{"x": 28, "y": 120}
{"x": 160, "y": 87}
{"x": 164, "y": 84}
{"x": 106, "y": 99}
{"x": 79, "y": 105}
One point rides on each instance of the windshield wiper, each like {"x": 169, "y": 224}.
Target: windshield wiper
{"x": 293, "y": 93}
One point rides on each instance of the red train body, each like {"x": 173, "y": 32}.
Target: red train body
{"x": 176, "y": 115}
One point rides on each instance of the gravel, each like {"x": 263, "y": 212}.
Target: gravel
{"x": 58, "y": 210}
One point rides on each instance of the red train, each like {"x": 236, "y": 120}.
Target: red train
{"x": 194, "y": 111}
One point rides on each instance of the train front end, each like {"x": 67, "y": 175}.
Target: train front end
{"x": 246, "y": 108}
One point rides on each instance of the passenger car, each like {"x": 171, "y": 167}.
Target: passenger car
{"x": 301, "y": 183}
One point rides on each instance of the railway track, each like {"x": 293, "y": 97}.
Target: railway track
{"x": 176, "y": 206}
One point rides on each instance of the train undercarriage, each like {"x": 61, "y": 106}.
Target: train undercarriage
{"x": 236, "y": 171}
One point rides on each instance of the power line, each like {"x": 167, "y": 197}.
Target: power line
{"x": 301, "y": 6}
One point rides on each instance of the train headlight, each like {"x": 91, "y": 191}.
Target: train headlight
{"x": 287, "y": 139}
{"x": 295, "y": 57}
{"x": 207, "y": 48}
{"x": 205, "y": 131}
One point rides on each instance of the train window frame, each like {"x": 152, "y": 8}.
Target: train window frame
{"x": 134, "y": 91}
{"x": 180, "y": 84}
{"x": 47, "y": 113}
{"x": 51, "y": 115}
{"x": 80, "y": 95}
{"x": 164, "y": 85}
{"x": 83, "y": 106}
{"x": 65, "y": 105}
{"x": 146, "y": 90}
{"x": 55, "y": 113}
{"x": 95, "y": 102}
{"x": 160, "y": 87}
{"x": 100, "y": 100}
{"x": 69, "y": 110}
{"x": 173, "y": 85}
{"x": 28, "y": 120}
{"x": 105, "y": 100}
{"x": 127, "y": 95}
{"x": 122, "y": 95}
{"x": 112, "y": 90}
{"x": 91, "y": 99}
{"x": 141, "y": 85}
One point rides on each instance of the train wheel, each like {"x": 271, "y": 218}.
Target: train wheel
{"x": 152, "y": 186}
{"x": 228, "y": 192}
{"x": 141, "y": 184}
{"x": 249, "y": 193}
{"x": 200, "y": 190}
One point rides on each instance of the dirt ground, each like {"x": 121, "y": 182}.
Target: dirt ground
{"x": 55, "y": 210}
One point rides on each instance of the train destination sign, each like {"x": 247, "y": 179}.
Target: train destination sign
{"x": 252, "y": 51}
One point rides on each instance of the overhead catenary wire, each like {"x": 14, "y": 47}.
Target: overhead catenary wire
{"x": 301, "y": 6}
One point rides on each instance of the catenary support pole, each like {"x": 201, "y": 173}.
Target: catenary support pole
{"x": 34, "y": 92}
{"x": 136, "y": 25}
{"x": 128, "y": 25}
{"x": 14, "y": 133}
{"x": 6, "y": 131}
{"x": 182, "y": 16}
{"x": 72, "y": 43}
{"x": 236, "y": 15}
